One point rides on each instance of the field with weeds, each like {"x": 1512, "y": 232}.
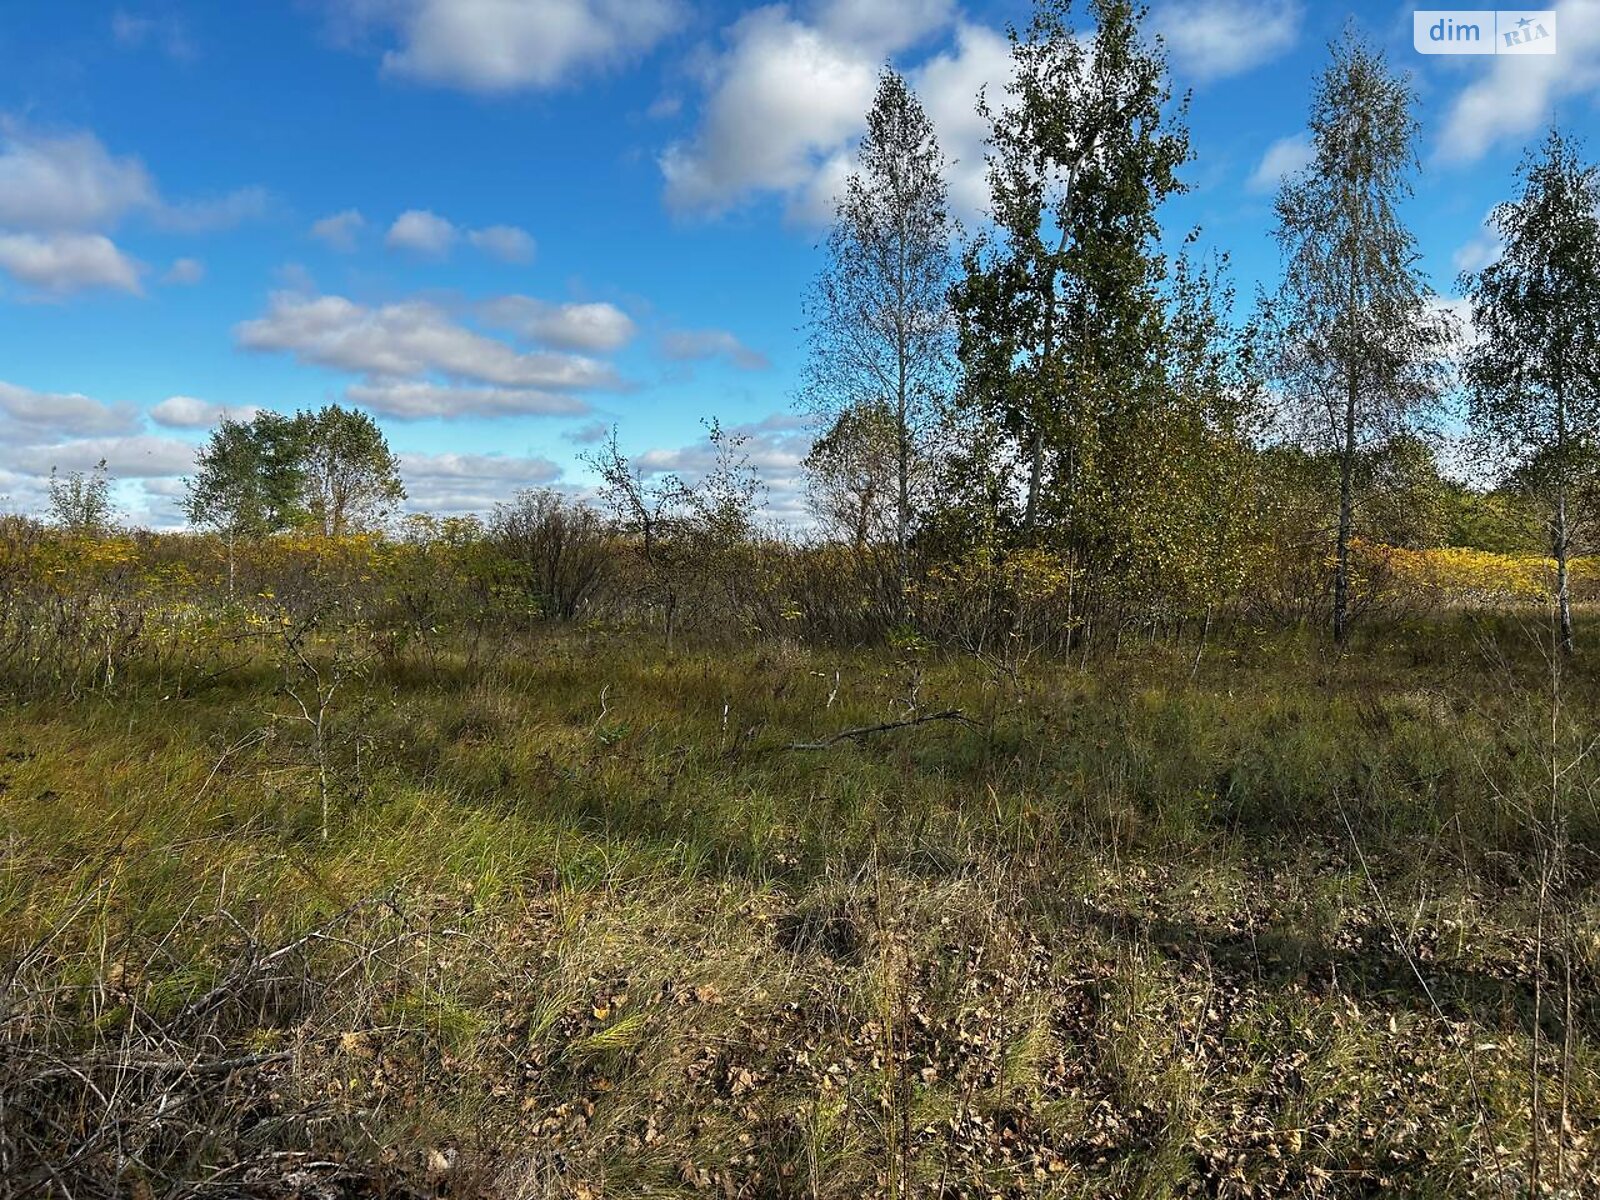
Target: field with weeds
{"x": 581, "y": 917}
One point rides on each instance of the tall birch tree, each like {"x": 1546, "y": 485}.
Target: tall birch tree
{"x": 879, "y": 324}
{"x": 1358, "y": 349}
{"x": 1533, "y": 370}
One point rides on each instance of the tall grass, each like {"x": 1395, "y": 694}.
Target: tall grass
{"x": 586, "y": 922}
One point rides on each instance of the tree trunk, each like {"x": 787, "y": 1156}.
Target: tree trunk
{"x": 903, "y": 505}
{"x": 1035, "y": 470}
{"x": 1562, "y": 538}
{"x": 1341, "y": 569}
{"x": 1563, "y": 591}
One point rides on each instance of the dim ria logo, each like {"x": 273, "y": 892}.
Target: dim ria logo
{"x": 1474, "y": 31}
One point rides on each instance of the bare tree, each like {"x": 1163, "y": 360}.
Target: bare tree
{"x": 1355, "y": 344}
{"x": 687, "y": 532}
{"x": 880, "y": 329}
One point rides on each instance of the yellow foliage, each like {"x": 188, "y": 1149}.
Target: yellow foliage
{"x": 1455, "y": 575}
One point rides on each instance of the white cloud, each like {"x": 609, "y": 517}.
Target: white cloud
{"x": 1514, "y": 95}
{"x": 61, "y": 413}
{"x": 1212, "y": 39}
{"x": 883, "y": 26}
{"x": 413, "y": 401}
{"x": 187, "y": 412}
{"x": 62, "y": 263}
{"x": 60, "y": 194}
{"x": 508, "y": 45}
{"x": 948, "y": 85}
{"x": 422, "y": 232}
{"x": 340, "y": 230}
{"x": 1284, "y": 157}
{"x": 185, "y": 272}
{"x": 407, "y": 340}
{"x": 786, "y": 102}
{"x": 595, "y": 327}
{"x": 696, "y": 344}
{"x": 140, "y": 456}
{"x": 66, "y": 182}
{"x": 505, "y": 242}
{"x": 466, "y": 483}
{"x": 781, "y": 100}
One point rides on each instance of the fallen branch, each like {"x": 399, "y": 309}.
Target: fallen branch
{"x": 194, "y": 1070}
{"x": 952, "y": 714}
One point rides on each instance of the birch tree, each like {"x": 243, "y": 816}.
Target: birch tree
{"x": 1357, "y": 348}
{"x": 1533, "y": 370}
{"x": 879, "y": 326}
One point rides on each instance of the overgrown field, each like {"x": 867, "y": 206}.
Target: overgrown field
{"x": 588, "y": 919}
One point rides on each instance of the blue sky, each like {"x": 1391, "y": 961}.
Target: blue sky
{"x": 503, "y": 225}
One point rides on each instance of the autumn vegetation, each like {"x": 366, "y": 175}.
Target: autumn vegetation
{"x": 1151, "y": 774}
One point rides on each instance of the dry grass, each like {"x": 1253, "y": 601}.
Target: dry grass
{"x": 584, "y": 925}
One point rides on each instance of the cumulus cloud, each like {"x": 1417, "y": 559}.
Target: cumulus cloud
{"x": 35, "y": 414}
{"x": 505, "y": 242}
{"x": 340, "y": 230}
{"x": 686, "y": 345}
{"x": 73, "y": 432}
{"x": 422, "y": 232}
{"x": 595, "y": 327}
{"x": 884, "y": 26}
{"x": 66, "y": 182}
{"x": 410, "y": 400}
{"x": 782, "y": 99}
{"x": 404, "y": 349}
{"x": 61, "y": 194}
{"x": 785, "y": 105}
{"x": 948, "y": 85}
{"x": 185, "y": 272}
{"x": 59, "y": 264}
{"x": 510, "y": 45}
{"x": 188, "y": 412}
{"x": 1284, "y": 157}
{"x": 1212, "y": 39}
{"x": 1513, "y": 95}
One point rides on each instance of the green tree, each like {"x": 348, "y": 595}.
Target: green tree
{"x": 80, "y": 501}
{"x": 1061, "y": 309}
{"x": 349, "y": 477}
{"x": 880, "y": 331}
{"x": 1355, "y": 345}
{"x": 1533, "y": 370}
{"x": 247, "y": 481}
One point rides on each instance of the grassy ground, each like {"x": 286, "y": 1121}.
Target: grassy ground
{"x": 586, "y": 919}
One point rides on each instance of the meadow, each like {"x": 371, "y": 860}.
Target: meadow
{"x": 318, "y": 899}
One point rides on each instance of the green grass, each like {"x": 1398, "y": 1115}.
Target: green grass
{"x": 583, "y": 923}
